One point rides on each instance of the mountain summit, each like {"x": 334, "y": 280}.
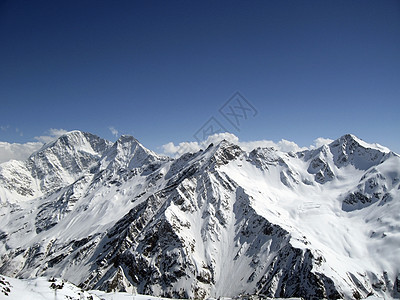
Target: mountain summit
{"x": 223, "y": 222}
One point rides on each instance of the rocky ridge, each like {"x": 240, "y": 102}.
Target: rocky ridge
{"x": 319, "y": 223}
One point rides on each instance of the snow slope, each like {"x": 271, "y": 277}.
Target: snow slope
{"x": 50, "y": 289}
{"x": 321, "y": 223}
{"x": 55, "y": 165}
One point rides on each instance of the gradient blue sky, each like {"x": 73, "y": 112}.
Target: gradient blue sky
{"x": 158, "y": 70}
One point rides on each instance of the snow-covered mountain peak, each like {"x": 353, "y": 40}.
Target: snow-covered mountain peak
{"x": 320, "y": 223}
{"x": 224, "y": 152}
{"x": 79, "y": 141}
{"x": 128, "y": 152}
{"x": 63, "y": 160}
{"x": 350, "y": 141}
{"x": 55, "y": 165}
{"x": 349, "y": 149}
{"x": 126, "y": 138}
{"x": 267, "y": 156}
{"x": 360, "y": 142}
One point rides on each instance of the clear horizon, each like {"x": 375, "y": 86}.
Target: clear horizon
{"x": 169, "y": 72}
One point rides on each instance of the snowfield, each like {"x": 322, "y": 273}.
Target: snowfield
{"x": 50, "y": 289}
{"x": 222, "y": 222}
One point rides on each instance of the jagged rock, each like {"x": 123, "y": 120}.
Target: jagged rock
{"x": 221, "y": 222}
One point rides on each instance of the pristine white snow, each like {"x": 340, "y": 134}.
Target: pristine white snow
{"x": 80, "y": 186}
{"x": 351, "y": 242}
{"x": 42, "y": 289}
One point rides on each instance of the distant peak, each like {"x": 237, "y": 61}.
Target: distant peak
{"x": 76, "y": 136}
{"x": 65, "y": 138}
{"x": 75, "y": 139}
{"x": 73, "y": 132}
{"x": 350, "y": 136}
{"x": 225, "y": 143}
{"x": 352, "y": 139}
{"x": 226, "y": 151}
{"x": 127, "y": 139}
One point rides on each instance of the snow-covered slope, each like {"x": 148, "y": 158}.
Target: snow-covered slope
{"x": 320, "y": 223}
{"x": 54, "y": 166}
{"x": 52, "y": 288}
{"x": 128, "y": 153}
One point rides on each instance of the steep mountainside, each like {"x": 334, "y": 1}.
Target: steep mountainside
{"x": 54, "y": 166}
{"x": 320, "y": 223}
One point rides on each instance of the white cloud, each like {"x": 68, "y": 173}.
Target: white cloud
{"x": 218, "y": 137}
{"x": 9, "y": 151}
{"x": 57, "y": 132}
{"x": 53, "y": 134}
{"x": 177, "y": 150}
{"x": 113, "y": 131}
{"x": 282, "y": 145}
{"x": 289, "y": 146}
{"x": 319, "y": 142}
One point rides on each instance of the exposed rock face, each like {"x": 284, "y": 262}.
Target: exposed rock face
{"x": 221, "y": 222}
{"x": 56, "y": 165}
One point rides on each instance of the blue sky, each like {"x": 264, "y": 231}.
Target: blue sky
{"x": 159, "y": 70}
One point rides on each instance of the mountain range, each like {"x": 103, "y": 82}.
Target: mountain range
{"x": 221, "y": 222}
